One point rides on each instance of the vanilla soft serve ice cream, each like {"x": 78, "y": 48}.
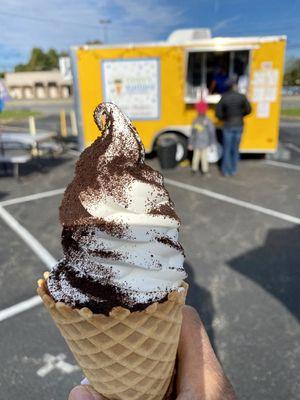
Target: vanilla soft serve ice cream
{"x": 120, "y": 229}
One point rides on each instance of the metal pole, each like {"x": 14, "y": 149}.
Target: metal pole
{"x": 231, "y": 64}
{"x": 74, "y": 129}
{"x": 63, "y": 123}
{"x": 105, "y": 33}
{"x": 32, "y": 128}
{"x": 105, "y": 23}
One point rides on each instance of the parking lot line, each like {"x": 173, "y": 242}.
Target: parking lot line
{"x": 32, "y": 197}
{"x": 49, "y": 260}
{"x": 38, "y": 249}
{"x": 30, "y": 240}
{"x": 283, "y": 165}
{"x": 232, "y": 200}
{"x": 19, "y": 308}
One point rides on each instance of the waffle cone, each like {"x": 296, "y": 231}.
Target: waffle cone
{"x": 126, "y": 355}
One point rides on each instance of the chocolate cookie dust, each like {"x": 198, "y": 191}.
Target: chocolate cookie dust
{"x": 171, "y": 243}
{"x": 164, "y": 209}
{"x": 128, "y": 157}
{"x": 110, "y": 295}
{"x": 72, "y": 248}
{"x": 105, "y": 171}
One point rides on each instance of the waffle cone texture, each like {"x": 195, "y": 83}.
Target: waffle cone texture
{"x": 126, "y": 355}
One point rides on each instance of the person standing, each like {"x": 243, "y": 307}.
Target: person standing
{"x": 232, "y": 109}
{"x": 202, "y": 135}
{"x": 219, "y": 81}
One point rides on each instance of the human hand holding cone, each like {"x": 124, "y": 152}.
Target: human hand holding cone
{"x": 117, "y": 295}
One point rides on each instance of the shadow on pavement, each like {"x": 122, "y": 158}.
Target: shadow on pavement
{"x": 275, "y": 266}
{"x": 201, "y": 299}
{"x": 3, "y": 194}
{"x": 42, "y": 165}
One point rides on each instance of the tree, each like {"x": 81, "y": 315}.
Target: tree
{"x": 41, "y": 61}
{"x": 38, "y": 60}
{"x": 292, "y": 73}
{"x": 52, "y": 58}
{"x": 21, "y": 68}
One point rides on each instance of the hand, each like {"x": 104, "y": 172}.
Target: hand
{"x": 84, "y": 392}
{"x": 199, "y": 374}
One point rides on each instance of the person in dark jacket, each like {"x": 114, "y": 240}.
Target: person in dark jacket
{"x": 232, "y": 109}
{"x": 202, "y": 136}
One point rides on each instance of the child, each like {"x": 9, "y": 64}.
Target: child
{"x": 202, "y": 135}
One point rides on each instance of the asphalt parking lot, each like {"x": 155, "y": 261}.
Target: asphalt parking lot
{"x": 241, "y": 236}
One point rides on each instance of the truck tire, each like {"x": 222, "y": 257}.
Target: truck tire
{"x": 181, "y": 143}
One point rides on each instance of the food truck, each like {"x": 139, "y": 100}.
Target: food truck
{"x": 157, "y": 84}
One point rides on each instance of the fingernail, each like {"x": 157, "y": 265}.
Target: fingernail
{"x": 82, "y": 393}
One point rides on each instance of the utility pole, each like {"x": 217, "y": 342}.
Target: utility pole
{"x": 105, "y": 23}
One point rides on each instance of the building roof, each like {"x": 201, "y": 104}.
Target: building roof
{"x": 31, "y": 78}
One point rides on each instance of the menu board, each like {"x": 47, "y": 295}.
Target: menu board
{"x": 264, "y": 88}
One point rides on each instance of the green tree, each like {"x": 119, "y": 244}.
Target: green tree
{"x": 38, "y": 60}
{"x": 292, "y": 73}
{"x": 21, "y": 67}
{"x": 41, "y": 61}
{"x": 52, "y": 58}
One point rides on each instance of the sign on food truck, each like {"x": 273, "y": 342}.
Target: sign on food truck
{"x": 158, "y": 84}
{"x": 133, "y": 85}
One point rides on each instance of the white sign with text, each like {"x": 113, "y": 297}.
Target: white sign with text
{"x": 133, "y": 84}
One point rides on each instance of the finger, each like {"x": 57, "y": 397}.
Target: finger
{"x": 84, "y": 392}
{"x": 200, "y": 374}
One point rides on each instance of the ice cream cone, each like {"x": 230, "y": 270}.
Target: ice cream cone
{"x": 126, "y": 355}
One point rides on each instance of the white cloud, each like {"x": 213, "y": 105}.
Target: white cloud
{"x": 224, "y": 23}
{"x": 60, "y": 24}
{"x": 150, "y": 12}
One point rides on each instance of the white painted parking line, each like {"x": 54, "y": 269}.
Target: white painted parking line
{"x": 19, "y": 308}
{"x": 49, "y": 261}
{"x": 283, "y": 165}
{"x": 28, "y": 238}
{"x": 289, "y": 124}
{"x": 32, "y": 197}
{"x": 293, "y": 147}
{"x": 56, "y": 362}
{"x": 232, "y": 200}
{"x": 38, "y": 249}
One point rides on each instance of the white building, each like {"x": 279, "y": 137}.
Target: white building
{"x": 38, "y": 85}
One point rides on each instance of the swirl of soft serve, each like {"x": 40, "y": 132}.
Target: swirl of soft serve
{"x": 120, "y": 235}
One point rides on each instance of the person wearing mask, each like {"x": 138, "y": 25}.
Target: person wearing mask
{"x": 232, "y": 109}
{"x": 202, "y": 136}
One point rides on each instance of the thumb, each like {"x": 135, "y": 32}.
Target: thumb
{"x": 84, "y": 392}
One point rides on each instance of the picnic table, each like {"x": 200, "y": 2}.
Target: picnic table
{"x": 20, "y": 148}
{"x": 26, "y": 138}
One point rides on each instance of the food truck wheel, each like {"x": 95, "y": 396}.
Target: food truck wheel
{"x": 181, "y": 145}
{"x": 181, "y": 150}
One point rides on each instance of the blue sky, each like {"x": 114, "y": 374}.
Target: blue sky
{"x": 60, "y": 24}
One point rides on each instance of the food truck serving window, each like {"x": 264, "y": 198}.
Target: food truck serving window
{"x": 208, "y": 71}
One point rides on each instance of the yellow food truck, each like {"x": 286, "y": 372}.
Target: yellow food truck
{"x": 157, "y": 85}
